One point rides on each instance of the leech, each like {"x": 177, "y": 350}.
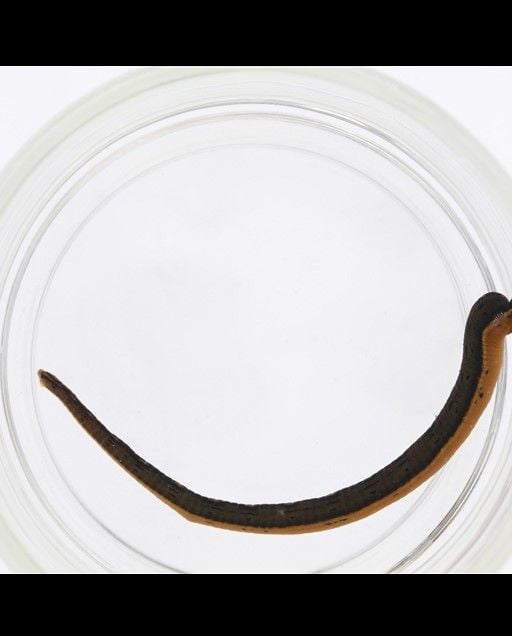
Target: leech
{"x": 489, "y": 321}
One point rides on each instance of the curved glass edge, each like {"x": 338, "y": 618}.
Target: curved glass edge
{"x": 379, "y": 85}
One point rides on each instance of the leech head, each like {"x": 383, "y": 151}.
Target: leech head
{"x": 491, "y": 310}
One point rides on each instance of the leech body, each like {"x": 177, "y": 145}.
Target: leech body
{"x": 489, "y": 321}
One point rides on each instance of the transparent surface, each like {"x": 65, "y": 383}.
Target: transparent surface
{"x": 259, "y": 279}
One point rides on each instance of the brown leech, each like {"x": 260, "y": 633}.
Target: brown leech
{"x": 489, "y": 321}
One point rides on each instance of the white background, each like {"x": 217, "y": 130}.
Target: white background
{"x": 480, "y": 98}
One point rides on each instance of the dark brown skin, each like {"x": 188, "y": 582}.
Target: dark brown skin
{"x": 489, "y": 321}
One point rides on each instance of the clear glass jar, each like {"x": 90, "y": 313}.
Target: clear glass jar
{"x": 258, "y": 278}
